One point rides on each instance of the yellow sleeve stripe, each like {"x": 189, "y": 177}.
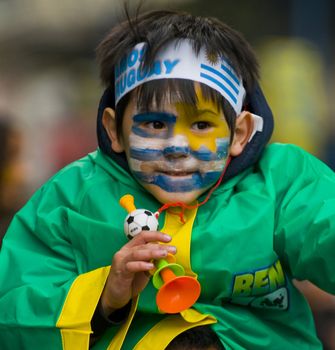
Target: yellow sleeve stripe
{"x": 171, "y": 326}
{"x": 75, "y": 318}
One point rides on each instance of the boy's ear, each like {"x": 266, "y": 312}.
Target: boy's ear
{"x": 109, "y": 123}
{"x": 243, "y": 130}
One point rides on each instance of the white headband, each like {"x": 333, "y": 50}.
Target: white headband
{"x": 178, "y": 60}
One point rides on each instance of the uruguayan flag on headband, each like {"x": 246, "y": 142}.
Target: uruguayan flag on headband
{"x": 178, "y": 60}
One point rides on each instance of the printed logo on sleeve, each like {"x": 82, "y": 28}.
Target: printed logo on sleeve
{"x": 263, "y": 288}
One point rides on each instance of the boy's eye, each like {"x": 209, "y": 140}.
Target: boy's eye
{"x": 156, "y": 124}
{"x": 202, "y": 125}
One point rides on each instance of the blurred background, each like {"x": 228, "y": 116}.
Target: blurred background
{"x": 50, "y": 89}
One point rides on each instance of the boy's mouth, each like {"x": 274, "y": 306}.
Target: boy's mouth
{"x": 176, "y": 173}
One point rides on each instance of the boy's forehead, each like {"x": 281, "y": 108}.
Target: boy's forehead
{"x": 203, "y": 105}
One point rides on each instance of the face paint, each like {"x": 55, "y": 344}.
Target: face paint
{"x": 179, "y": 153}
{"x": 167, "y": 183}
{"x": 146, "y": 118}
{"x": 147, "y": 149}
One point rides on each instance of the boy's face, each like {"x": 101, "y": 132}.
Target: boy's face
{"x": 178, "y": 151}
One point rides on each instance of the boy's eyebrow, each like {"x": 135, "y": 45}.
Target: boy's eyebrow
{"x": 168, "y": 117}
{"x": 198, "y": 113}
{"x": 150, "y": 116}
{"x": 206, "y": 110}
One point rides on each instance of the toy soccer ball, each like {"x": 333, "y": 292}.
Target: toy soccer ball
{"x": 139, "y": 220}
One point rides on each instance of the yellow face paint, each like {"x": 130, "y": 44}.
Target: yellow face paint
{"x": 202, "y": 125}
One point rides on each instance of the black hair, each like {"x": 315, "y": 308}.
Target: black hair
{"x": 157, "y": 29}
{"x": 197, "y": 338}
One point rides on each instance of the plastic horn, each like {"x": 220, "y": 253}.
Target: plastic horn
{"x": 176, "y": 292}
{"x": 127, "y": 202}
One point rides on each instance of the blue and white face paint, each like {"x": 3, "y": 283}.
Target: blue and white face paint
{"x": 181, "y": 151}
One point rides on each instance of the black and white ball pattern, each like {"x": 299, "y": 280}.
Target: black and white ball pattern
{"x": 139, "y": 220}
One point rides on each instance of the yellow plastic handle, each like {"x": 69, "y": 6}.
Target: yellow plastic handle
{"x": 127, "y": 202}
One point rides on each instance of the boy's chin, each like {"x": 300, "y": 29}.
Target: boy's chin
{"x": 172, "y": 197}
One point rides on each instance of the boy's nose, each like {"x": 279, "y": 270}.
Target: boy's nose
{"x": 176, "y": 147}
{"x": 176, "y": 151}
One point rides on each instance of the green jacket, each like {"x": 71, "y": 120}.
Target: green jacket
{"x": 271, "y": 223}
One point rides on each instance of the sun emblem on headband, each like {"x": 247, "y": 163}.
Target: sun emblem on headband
{"x": 211, "y": 57}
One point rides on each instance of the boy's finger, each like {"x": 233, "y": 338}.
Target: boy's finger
{"x": 147, "y": 254}
{"x": 157, "y": 246}
{"x": 139, "y": 266}
{"x": 149, "y": 236}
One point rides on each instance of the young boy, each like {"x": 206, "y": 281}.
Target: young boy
{"x": 182, "y": 127}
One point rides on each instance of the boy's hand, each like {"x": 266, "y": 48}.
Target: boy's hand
{"x": 130, "y": 268}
